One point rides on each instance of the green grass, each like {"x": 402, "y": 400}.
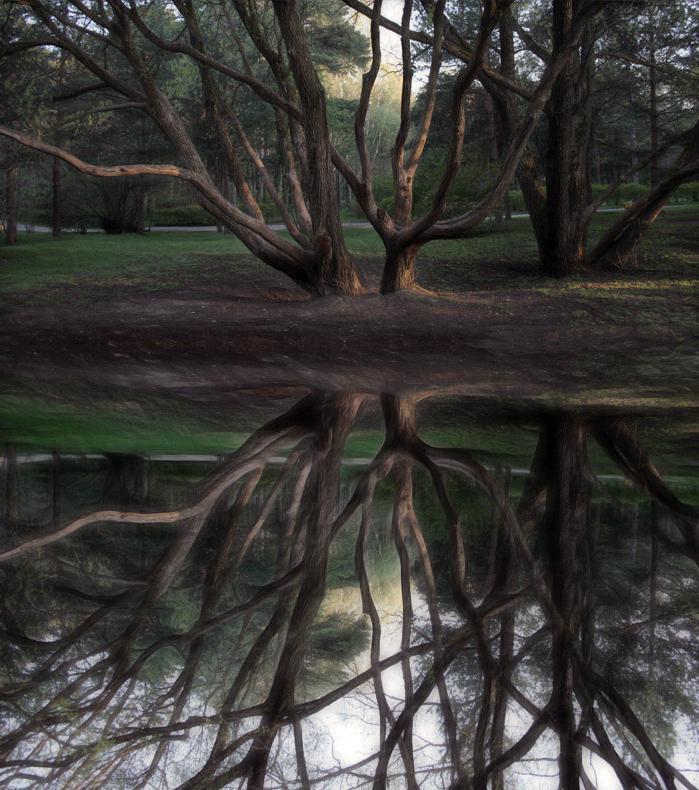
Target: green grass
{"x": 38, "y": 425}
{"x": 40, "y": 261}
{"x": 493, "y": 258}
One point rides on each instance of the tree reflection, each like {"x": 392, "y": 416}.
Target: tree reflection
{"x": 182, "y": 647}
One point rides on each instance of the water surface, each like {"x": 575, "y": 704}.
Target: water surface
{"x": 341, "y": 589}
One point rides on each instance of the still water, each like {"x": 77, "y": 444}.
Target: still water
{"x": 340, "y": 590}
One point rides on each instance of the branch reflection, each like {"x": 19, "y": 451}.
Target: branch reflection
{"x": 422, "y": 618}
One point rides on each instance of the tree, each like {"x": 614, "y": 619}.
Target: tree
{"x": 22, "y": 99}
{"x": 277, "y": 52}
{"x": 557, "y": 184}
{"x": 402, "y": 234}
{"x": 136, "y": 37}
{"x": 142, "y": 642}
{"x": 130, "y": 37}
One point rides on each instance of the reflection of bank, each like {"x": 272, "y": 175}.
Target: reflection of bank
{"x": 495, "y": 623}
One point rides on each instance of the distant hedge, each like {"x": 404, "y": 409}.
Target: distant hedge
{"x": 194, "y": 215}
{"x": 185, "y": 216}
{"x": 626, "y": 193}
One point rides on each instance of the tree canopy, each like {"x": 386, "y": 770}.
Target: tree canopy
{"x": 302, "y": 106}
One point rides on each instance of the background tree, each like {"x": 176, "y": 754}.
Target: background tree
{"x": 582, "y": 119}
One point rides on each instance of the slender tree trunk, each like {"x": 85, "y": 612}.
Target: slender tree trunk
{"x": 337, "y": 414}
{"x": 11, "y": 204}
{"x": 617, "y": 245}
{"x": 56, "y": 228}
{"x": 496, "y": 146}
{"x": 653, "y": 79}
{"x": 220, "y": 176}
{"x": 140, "y": 198}
{"x": 528, "y": 176}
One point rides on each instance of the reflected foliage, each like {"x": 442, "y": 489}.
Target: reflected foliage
{"x": 289, "y": 617}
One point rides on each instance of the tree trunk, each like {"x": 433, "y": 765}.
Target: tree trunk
{"x": 399, "y": 270}
{"x": 618, "y": 244}
{"x": 56, "y": 229}
{"x": 222, "y": 183}
{"x": 11, "y": 204}
{"x": 528, "y": 175}
{"x": 567, "y": 172}
{"x": 336, "y": 272}
{"x": 567, "y": 502}
{"x": 653, "y": 79}
{"x": 140, "y": 198}
{"x": 336, "y": 416}
{"x": 496, "y": 148}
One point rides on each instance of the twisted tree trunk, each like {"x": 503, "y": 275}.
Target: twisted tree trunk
{"x": 399, "y": 270}
{"x": 335, "y": 270}
{"x": 568, "y": 497}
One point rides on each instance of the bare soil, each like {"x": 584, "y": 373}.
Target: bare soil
{"x": 583, "y": 342}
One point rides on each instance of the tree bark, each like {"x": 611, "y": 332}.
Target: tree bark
{"x": 528, "y": 176}
{"x": 336, "y": 415}
{"x": 567, "y": 502}
{"x": 617, "y": 246}
{"x": 336, "y": 272}
{"x": 399, "y": 270}
{"x": 653, "y": 79}
{"x": 11, "y": 205}
{"x": 566, "y": 163}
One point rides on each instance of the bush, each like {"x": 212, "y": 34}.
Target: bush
{"x": 270, "y": 211}
{"x": 516, "y": 200}
{"x": 687, "y": 193}
{"x": 186, "y": 216}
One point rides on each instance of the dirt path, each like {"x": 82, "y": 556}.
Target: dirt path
{"x": 518, "y": 341}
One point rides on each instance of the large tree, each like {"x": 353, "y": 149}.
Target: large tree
{"x": 126, "y": 47}
{"x": 278, "y": 53}
{"x": 556, "y": 179}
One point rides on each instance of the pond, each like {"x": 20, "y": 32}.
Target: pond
{"x": 282, "y": 586}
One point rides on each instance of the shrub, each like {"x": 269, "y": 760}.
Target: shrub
{"x": 687, "y": 193}
{"x": 186, "y": 216}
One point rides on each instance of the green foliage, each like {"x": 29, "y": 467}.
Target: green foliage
{"x": 337, "y": 45}
{"x": 470, "y": 184}
{"x": 686, "y": 193}
{"x": 516, "y": 199}
{"x": 184, "y": 216}
{"x": 625, "y": 194}
{"x": 83, "y": 428}
{"x": 337, "y": 638}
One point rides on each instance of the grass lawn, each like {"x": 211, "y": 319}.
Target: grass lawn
{"x": 502, "y": 258}
{"x": 79, "y": 271}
